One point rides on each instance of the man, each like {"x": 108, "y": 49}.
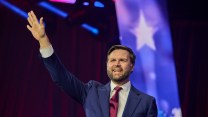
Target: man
{"x": 118, "y": 98}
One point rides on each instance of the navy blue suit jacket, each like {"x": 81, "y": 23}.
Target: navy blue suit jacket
{"x": 94, "y": 96}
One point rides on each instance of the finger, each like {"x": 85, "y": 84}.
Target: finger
{"x": 30, "y": 17}
{"x": 34, "y": 17}
{"x": 30, "y": 22}
{"x": 29, "y": 28}
{"x": 41, "y": 21}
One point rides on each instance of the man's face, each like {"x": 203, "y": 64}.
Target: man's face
{"x": 119, "y": 66}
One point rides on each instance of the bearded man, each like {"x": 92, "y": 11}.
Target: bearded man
{"x": 118, "y": 98}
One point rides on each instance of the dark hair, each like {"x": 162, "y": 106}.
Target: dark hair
{"x": 117, "y": 47}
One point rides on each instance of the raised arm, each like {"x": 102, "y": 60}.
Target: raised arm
{"x": 60, "y": 75}
{"x": 37, "y": 29}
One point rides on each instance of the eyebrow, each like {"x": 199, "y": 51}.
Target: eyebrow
{"x": 118, "y": 58}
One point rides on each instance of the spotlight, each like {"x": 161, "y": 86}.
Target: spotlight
{"x": 53, "y": 9}
{"x": 86, "y": 3}
{"x": 14, "y": 8}
{"x": 90, "y": 28}
{"x": 99, "y": 4}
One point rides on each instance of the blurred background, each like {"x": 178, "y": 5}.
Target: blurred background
{"x": 81, "y": 33}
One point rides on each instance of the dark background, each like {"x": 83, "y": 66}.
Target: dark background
{"x": 26, "y": 89}
{"x": 189, "y": 26}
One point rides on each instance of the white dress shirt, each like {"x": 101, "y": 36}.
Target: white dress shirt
{"x": 123, "y": 95}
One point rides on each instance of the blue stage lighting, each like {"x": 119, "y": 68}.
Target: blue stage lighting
{"x": 91, "y": 28}
{"x": 86, "y": 3}
{"x": 14, "y": 8}
{"x": 53, "y": 9}
{"x": 99, "y": 4}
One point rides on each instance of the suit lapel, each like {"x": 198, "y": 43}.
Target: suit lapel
{"x": 132, "y": 102}
{"x": 104, "y": 94}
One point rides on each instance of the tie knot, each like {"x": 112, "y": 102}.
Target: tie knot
{"x": 117, "y": 88}
{"x": 115, "y": 96}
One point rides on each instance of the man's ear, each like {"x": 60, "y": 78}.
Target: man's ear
{"x": 132, "y": 67}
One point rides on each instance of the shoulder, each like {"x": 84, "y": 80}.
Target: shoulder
{"x": 142, "y": 95}
{"x": 95, "y": 84}
{"x": 146, "y": 100}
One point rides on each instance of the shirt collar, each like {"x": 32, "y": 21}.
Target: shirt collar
{"x": 125, "y": 87}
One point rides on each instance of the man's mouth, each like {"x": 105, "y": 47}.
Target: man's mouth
{"x": 117, "y": 70}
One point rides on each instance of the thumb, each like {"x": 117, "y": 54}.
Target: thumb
{"x": 29, "y": 28}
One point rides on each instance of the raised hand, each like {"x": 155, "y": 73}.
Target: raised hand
{"x": 37, "y": 29}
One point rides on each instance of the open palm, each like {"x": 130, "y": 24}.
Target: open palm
{"x": 37, "y": 29}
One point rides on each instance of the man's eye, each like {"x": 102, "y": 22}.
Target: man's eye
{"x": 123, "y": 60}
{"x": 113, "y": 60}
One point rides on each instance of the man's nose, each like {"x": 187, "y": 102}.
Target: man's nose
{"x": 118, "y": 63}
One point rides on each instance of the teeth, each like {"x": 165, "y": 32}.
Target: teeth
{"x": 118, "y": 70}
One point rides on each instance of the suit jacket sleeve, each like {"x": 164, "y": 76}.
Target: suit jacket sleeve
{"x": 66, "y": 80}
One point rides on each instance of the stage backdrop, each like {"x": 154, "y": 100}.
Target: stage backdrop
{"x": 144, "y": 27}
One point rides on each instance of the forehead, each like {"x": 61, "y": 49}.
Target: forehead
{"x": 119, "y": 53}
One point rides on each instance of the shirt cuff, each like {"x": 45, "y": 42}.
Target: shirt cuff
{"x": 46, "y": 52}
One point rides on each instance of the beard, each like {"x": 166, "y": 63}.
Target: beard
{"x": 118, "y": 79}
